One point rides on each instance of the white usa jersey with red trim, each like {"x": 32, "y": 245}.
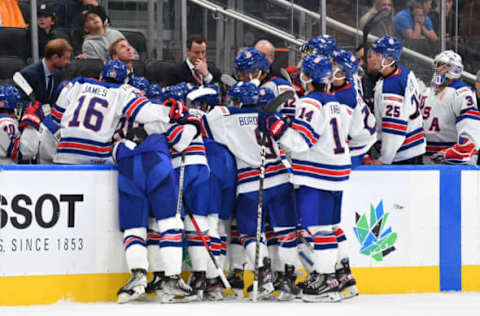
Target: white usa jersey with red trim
{"x": 89, "y": 112}
{"x": 448, "y": 115}
{"x": 397, "y": 112}
{"x": 237, "y": 129}
{"x": 317, "y": 141}
{"x": 9, "y": 139}
{"x": 279, "y": 86}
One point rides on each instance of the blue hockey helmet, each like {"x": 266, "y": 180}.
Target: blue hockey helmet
{"x": 322, "y": 45}
{"x": 115, "y": 70}
{"x": 317, "y": 67}
{"x": 186, "y": 88}
{"x": 141, "y": 83}
{"x": 251, "y": 59}
{"x": 204, "y": 97}
{"x": 346, "y": 61}
{"x": 388, "y": 46}
{"x": 155, "y": 92}
{"x": 265, "y": 95}
{"x": 9, "y": 98}
{"x": 243, "y": 93}
{"x": 175, "y": 92}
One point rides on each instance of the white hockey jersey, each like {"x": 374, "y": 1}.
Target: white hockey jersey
{"x": 237, "y": 129}
{"x": 397, "y": 112}
{"x": 89, "y": 112}
{"x": 9, "y": 139}
{"x": 362, "y": 132}
{"x": 279, "y": 86}
{"x": 317, "y": 141}
{"x": 448, "y": 115}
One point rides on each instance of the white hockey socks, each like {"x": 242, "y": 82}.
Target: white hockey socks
{"x": 250, "y": 245}
{"x": 134, "y": 242}
{"x": 215, "y": 245}
{"x": 325, "y": 250}
{"x": 342, "y": 245}
{"x": 223, "y": 233}
{"x": 170, "y": 245}
{"x": 196, "y": 249}
{"x": 236, "y": 254}
{"x": 287, "y": 247}
{"x": 153, "y": 246}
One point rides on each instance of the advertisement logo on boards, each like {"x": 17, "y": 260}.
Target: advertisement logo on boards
{"x": 376, "y": 239}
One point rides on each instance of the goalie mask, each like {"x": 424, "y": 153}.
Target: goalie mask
{"x": 446, "y": 65}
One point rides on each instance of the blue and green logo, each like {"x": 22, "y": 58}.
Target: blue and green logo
{"x": 376, "y": 240}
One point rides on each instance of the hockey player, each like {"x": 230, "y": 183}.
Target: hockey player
{"x": 237, "y": 129}
{"x": 397, "y": 105}
{"x": 450, "y": 114}
{"x": 9, "y": 129}
{"x": 362, "y": 136}
{"x": 222, "y": 189}
{"x": 317, "y": 139}
{"x": 141, "y": 83}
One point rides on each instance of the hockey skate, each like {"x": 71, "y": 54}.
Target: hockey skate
{"x": 265, "y": 281}
{"x": 213, "y": 291}
{"x": 174, "y": 286}
{"x": 235, "y": 278}
{"x": 198, "y": 283}
{"x": 287, "y": 288}
{"x": 347, "y": 286}
{"x": 157, "y": 283}
{"x": 321, "y": 288}
{"x": 135, "y": 287}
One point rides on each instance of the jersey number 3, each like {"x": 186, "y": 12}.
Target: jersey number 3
{"x": 92, "y": 117}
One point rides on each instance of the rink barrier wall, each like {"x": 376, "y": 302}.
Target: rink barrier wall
{"x": 434, "y": 250}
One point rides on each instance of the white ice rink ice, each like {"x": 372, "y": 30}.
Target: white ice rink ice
{"x": 438, "y": 304}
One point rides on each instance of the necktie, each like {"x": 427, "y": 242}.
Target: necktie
{"x": 198, "y": 77}
{"x": 50, "y": 86}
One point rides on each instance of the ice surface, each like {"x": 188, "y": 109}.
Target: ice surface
{"x": 438, "y": 304}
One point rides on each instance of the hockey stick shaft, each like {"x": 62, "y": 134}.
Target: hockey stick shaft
{"x": 259, "y": 218}
{"x": 285, "y": 74}
{"x": 20, "y": 81}
{"x": 178, "y": 218}
{"x": 204, "y": 241}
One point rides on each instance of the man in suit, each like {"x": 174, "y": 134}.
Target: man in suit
{"x": 194, "y": 69}
{"x": 44, "y": 76}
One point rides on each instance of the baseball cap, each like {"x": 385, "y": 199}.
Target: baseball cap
{"x": 95, "y": 10}
{"x": 46, "y": 9}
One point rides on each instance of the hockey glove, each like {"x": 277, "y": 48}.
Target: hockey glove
{"x": 33, "y": 116}
{"x": 273, "y": 124}
{"x": 177, "y": 109}
{"x": 457, "y": 154}
{"x": 137, "y": 135}
{"x": 193, "y": 120}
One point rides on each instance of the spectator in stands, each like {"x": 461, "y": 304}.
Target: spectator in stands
{"x": 123, "y": 51}
{"x": 414, "y": 23}
{"x": 99, "y": 37}
{"x": 435, "y": 16}
{"x": 44, "y": 76}
{"x": 267, "y": 48}
{"x": 46, "y": 21}
{"x": 10, "y": 14}
{"x": 344, "y": 11}
{"x": 195, "y": 68}
{"x": 384, "y": 27}
{"x": 70, "y": 12}
{"x": 477, "y": 88}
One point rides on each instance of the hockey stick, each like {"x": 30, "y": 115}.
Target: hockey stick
{"x": 285, "y": 74}
{"x": 212, "y": 257}
{"x": 273, "y": 105}
{"x": 228, "y": 80}
{"x": 178, "y": 216}
{"x": 21, "y": 82}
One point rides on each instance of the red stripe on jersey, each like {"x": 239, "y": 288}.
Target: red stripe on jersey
{"x": 473, "y": 112}
{"x": 312, "y": 102}
{"x": 57, "y": 114}
{"x": 396, "y": 99}
{"x": 252, "y": 173}
{"x": 413, "y": 138}
{"x": 175, "y": 133}
{"x": 134, "y": 106}
{"x": 305, "y": 131}
{"x": 394, "y": 126}
{"x": 322, "y": 171}
{"x": 93, "y": 148}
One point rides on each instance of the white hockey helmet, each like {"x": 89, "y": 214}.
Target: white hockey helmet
{"x": 452, "y": 59}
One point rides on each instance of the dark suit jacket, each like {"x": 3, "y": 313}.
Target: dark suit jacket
{"x": 181, "y": 73}
{"x": 35, "y": 76}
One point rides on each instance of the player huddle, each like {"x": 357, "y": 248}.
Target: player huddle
{"x": 267, "y": 181}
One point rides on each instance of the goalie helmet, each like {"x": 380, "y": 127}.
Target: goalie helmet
{"x": 322, "y": 45}
{"x": 155, "y": 92}
{"x": 242, "y": 93}
{"x": 9, "y": 98}
{"x": 318, "y": 68}
{"x": 251, "y": 59}
{"x": 265, "y": 95}
{"x": 446, "y": 65}
{"x": 388, "y": 46}
{"x": 115, "y": 70}
{"x": 141, "y": 83}
{"x": 204, "y": 98}
{"x": 346, "y": 62}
